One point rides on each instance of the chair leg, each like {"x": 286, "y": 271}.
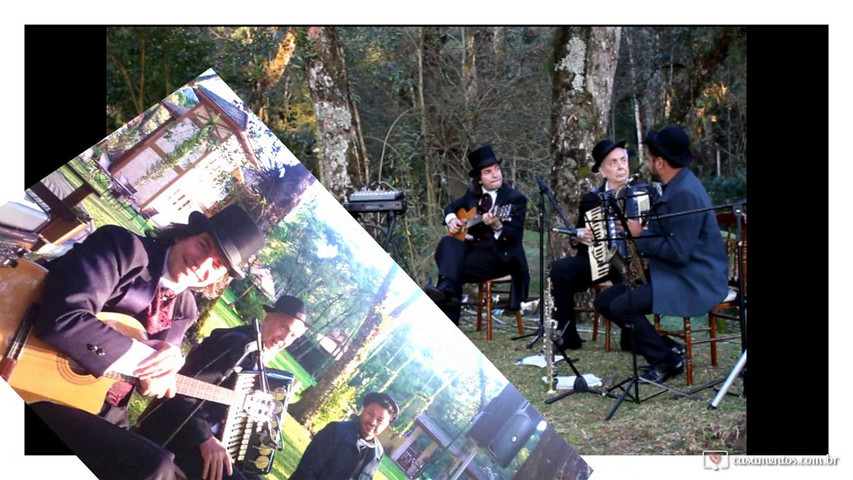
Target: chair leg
{"x": 595, "y": 316}
{"x": 518, "y": 320}
{"x": 606, "y": 334}
{"x": 488, "y": 311}
{"x": 712, "y": 333}
{"x": 688, "y": 354}
{"x": 479, "y": 307}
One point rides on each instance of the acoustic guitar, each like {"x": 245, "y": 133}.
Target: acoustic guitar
{"x": 470, "y": 217}
{"x": 37, "y": 372}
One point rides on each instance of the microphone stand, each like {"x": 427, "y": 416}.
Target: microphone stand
{"x": 544, "y": 191}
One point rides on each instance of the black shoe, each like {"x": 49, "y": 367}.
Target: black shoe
{"x": 570, "y": 340}
{"x": 661, "y": 372}
{"x": 437, "y": 295}
{"x": 676, "y": 348}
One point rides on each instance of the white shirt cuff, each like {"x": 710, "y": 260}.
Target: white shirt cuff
{"x": 128, "y": 363}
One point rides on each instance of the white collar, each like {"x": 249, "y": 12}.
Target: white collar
{"x": 166, "y": 280}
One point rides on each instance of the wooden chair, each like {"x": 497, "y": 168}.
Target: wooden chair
{"x": 485, "y": 292}
{"x": 596, "y": 315}
{"x": 728, "y": 220}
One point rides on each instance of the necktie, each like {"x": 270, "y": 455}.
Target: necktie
{"x": 485, "y": 203}
{"x": 160, "y": 311}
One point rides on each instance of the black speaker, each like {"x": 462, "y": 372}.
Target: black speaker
{"x": 505, "y": 425}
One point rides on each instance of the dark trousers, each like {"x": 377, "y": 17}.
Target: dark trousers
{"x": 629, "y": 308}
{"x": 569, "y": 276}
{"x": 109, "y": 451}
{"x": 466, "y": 262}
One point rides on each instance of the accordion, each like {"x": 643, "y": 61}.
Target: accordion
{"x": 252, "y": 435}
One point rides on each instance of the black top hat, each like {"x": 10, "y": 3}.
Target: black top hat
{"x": 288, "y": 305}
{"x": 672, "y": 144}
{"x": 481, "y": 158}
{"x": 236, "y": 234}
{"x": 383, "y": 400}
{"x": 601, "y": 149}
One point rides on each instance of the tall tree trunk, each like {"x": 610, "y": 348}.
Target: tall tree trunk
{"x": 427, "y": 58}
{"x": 272, "y": 69}
{"x": 343, "y": 160}
{"x": 342, "y": 370}
{"x": 635, "y": 104}
{"x": 585, "y": 64}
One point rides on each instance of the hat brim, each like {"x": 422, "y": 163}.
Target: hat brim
{"x": 476, "y": 171}
{"x": 606, "y": 153}
{"x": 679, "y": 160}
{"x": 199, "y": 219}
{"x": 297, "y": 315}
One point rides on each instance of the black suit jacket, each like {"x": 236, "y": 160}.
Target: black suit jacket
{"x": 333, "y": 454}
{"x": 509, "y": 245}
{"x": 113, "y": 270}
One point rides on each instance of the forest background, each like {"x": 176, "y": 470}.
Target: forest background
{"x": 401, "y": 106}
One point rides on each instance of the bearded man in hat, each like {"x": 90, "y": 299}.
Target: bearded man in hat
{"x": 685, "y": 255}
{"x": 149, "y": 279}
{"x": 185, "y": 425}
{"x": 349, "y": 449}
{"x": 493, "y": 248}
{"x": 573, "y": 275}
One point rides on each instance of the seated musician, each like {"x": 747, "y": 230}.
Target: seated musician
{"x": 493, "y": 247}
{"x": 685, "y": 255}
{"x": 573, "y": 275}
{"x": 149, "y": 279}
{"x": 187, "y": 426}
{"x": 349, "y": 449}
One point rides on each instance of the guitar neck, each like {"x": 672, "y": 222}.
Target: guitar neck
{"x": 191, "y": 387}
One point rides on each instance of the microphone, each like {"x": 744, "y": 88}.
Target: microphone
{"x": 542, "y": 185}
{"x": 633, "y": 178}
{"x": 570, "y": 231}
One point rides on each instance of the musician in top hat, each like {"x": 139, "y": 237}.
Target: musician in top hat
{"x": 573, "y": 275}
{"x": 685, "y": 255}
{"x": 186, "y": 426}
{"x": 492, "y": 248}
{"x": 149, "y": 278}
{"x": 349, "y": 449}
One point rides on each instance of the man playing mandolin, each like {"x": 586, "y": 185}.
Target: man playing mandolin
{"x": 485, "y": 227}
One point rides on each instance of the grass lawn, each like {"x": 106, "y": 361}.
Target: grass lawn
{"x": 663, "y": 425}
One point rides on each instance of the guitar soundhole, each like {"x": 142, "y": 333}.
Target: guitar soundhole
{"x": 73, "y": 372}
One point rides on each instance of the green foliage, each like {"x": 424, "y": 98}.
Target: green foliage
{"x": 250, "y": 303}
{"x": 723, "y": 189}
{"x": 341, "y": 403}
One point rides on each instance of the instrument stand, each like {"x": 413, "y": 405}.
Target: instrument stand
{"x": 544, "y": 191}
{"x": 634, "y": 381}
{"x": 739, "y": 366}
{"x": 580, "y": 385}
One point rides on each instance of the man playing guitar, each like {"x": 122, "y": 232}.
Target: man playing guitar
{"x": 494, "y": 248}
